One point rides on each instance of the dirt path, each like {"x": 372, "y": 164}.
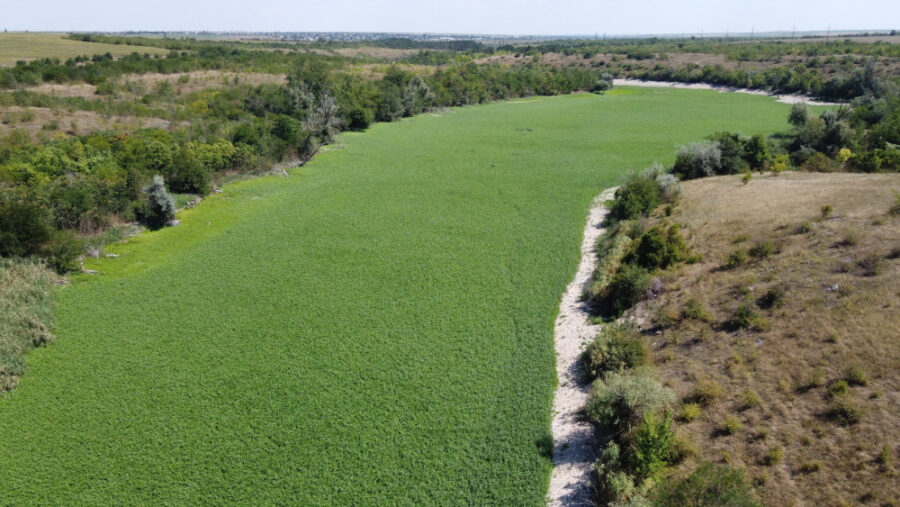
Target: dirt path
{"x": 573, "y": 452}
{"x": 787, "y": 99}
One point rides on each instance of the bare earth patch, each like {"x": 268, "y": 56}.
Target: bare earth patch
{"x": 573, "y": 437}
{"x": 787, "y": 99}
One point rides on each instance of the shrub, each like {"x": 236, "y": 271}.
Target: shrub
{"x": 803, "y": 228}
{"x": 735, "y": 259}
{"x": 773, "y": 298}
{"x": 872, "y": 264}
{"x": 657, "y": 248}
{"x": 62, "y": 250}
{"x": 808, "y": 467}
{"x": 24, "y": 225}
{"x": 694, "y": 309}
{"x": 855, "y": 376}
{"x": 731, "y": 425}
{"x": 774, "y": 456}
{"x": 698, "y": 160}
{"x": 762, "y": 249}
{"x": 826, "y": 211}
{"x": 620, "y": 401}
{"x": 749, "y": 399}
{"x": 669, "y": 188}
{"x": 707, "y": 391}
{"x": 615, "y": 348}
{"x": 651, "y": 446}
{"x": 799, "y": 115}
{"x": 160, "y": 205}
{"x": 709, "y": 485}
{"x": 689, "y": 412}
{"x": 745, "y": 316}
{"x": 637, "y": 196}
{"x": 360, "y": 118}
{"x": 845, "y": 411}
{"x": 839, "y": 388}
{"x": 626, "y": 288}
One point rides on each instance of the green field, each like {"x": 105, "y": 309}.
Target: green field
{"x": 30, "y": 46}
{"x": 375, "y": 328}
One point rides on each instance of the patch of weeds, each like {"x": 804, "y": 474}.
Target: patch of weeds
{"x": 740, "y": 238}
{"x": 695, "y": 310}
{"x": 850, "y": 238}
{"x": 746, "y": 316}
{"x": 665, "y": 317}
{"x": 731, "y": 425}
{"x": 872, "y": 264}
{"x": 682, "y": 449}
{"x": 855, "y": 376}
{"x": 706, "y": 392}
{"x": 689, "y": 412}
{"x": 773, "y": 456}
{"x": 803, "y": 228}
{"x": 749, "y": 399}
{"x": 746, "y": 177}
{"x": 886, "y": 459}
{"x": 826, "y": 211}
{"x": 762, "y": 249}
{"x": 694, "y": 259}
{"x": 773, "y": 298}
{"x": 845, "y": 411}
{"x": 894, "y": 210}
{"x": 809, "y": 467}
{"x": 839, "y": 388}
{"x": 735, "y": 259}
{"x": 815, "y": 378}
{"x": 894, "y": 253}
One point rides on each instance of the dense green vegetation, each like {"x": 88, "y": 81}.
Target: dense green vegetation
{"x": 26, "y": 306}
{"x": 375, "y": 327}
{"x": 85, "y": 182}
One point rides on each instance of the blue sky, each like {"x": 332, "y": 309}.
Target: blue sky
{"x": 458, "y": 16}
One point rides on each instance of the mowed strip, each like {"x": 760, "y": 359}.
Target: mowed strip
{"x": 374, "y": 328}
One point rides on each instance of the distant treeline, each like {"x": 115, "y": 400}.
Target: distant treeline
{"x": 54, "y": 190}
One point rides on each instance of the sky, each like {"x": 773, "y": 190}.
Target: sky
{"x": 510, "y": 17}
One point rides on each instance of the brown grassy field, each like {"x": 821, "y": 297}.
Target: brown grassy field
{"x": 777, "y": 387}
{"x": 30, "y": 46}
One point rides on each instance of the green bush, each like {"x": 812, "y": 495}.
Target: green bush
{"x": 845, "y": 411}
{"x": 615, "y": 348}
{"x": 855, "y": 376}
{"x": 698, "y": 160}
{"x": 24, "y": 225}
{"x": 774, "y": 456}
{"x": 159, "y": 208}
{"x": 710, "y": 486}
{"x": 61, "y": 251}
{"x": 657, "y": 248}
{"x": 707, "y": 391}
{"x": 745, "y": 316}
{"x": 839, "y": 388}
{"x": 735, "y": 259}
{"x": 762, "y": 249}
{"x": 620, "y": 401}
{"x": 694, "y": 309}
{"x": 637, "y": 196}
{"x": 689, "y": 412}
{"x": 731, "y": 425}
{"x": 651, "y": 446}
{"x": 626, "y": 288}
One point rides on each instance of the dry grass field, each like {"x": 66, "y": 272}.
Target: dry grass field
{"x": 30, "y": 46}
{"x": 784, "y": 342}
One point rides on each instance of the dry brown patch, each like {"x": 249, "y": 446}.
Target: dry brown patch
{"x": 41, "y": 121}
{"x": 835, "y": 314}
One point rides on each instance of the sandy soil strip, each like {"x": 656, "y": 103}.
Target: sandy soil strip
{"x": 787, "y": 99}
{"x": 573, "y": 452}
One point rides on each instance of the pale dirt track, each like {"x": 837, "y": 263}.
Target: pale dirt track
{"x": 573, "y": 448}
{"x": 787, "y": 99}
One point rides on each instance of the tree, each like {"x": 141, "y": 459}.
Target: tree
{"x": 798, "y": 115}
{"x": 160, "y": 205}
{"x": 324, "y": 120}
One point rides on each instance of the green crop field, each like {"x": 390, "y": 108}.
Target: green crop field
{"x": 29, "y": 46}
{"x": 374, "y": 328}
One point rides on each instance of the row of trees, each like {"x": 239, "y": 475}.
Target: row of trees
{"x": 82, "y": 183}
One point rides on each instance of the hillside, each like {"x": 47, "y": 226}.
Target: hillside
{"x": 782, "y": 343}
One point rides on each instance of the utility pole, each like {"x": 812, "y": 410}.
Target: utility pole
{"x": 793, "y": 32}
{"x": 752, "y": 29}
{"x": 828, "y": 33}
